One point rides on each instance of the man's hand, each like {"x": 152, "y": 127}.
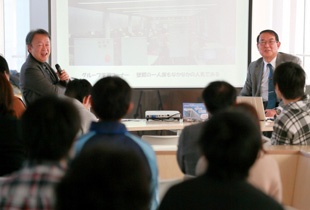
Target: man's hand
{"x": 270, "y": 112}
{"x": 63, "y": 76}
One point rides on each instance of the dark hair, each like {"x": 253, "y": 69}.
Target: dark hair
{"x": 4, "y": 67}
{"x": 270, "y": 32}
{"x": 111, "y": 97}
{"x": 104, "y": 177}
{"x": 6, "y": 96}
{"x": 219, "y": 95}
{"x": 49, "y": 127}
{"x": 31, "y": 34}
{"x": 290, "y": 78}
{"x": 248, "y": 108}
{"x": 230, "y": 140}
{"x": 78, "y": 89}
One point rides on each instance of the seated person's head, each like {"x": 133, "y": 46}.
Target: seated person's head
{"x": 289, "y": 80}
{"x": 248, "y": 108}
{"x": 79, "y": 89}
{"x": 104, "y": 177}
{"x": 218, "y": 96}
{"x": 230, "y": 141}
{"x": 111, "y": 98}
{"x": 49, "y": 127}
{"x": 4, "y": 67}
{"x": 6, "y": 96}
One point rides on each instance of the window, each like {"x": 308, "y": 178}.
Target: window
{"x": 15, "y": 25}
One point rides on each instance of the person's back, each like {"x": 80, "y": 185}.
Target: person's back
{"x": 12, "y": 151}
{"x": 217, "y": 96}
{"x": 79, "y": 90}
{"x": 230, "y": 154}
{"x": 49, "y": 127}
{"x": 292, "y": 126}
{"x": 106, "y": 173}
{"x": 208, "y": 193}
{"x": 111, "y": 100}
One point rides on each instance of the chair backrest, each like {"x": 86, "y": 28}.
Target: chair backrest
{"x": 161, "y": 140}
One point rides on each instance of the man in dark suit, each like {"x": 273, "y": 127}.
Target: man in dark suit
{"x": 258, "y": 76}
{"x": 37, "y": 78}
{"x": 217, "y": 96}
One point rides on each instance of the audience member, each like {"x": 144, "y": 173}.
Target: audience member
{"x": 230, "y": 154}
{"x": 264, "y": 173}
{"x": 49, "y": 127}
{"x": 18, "y": 105}
{"x": 37, "y": 78}
{"x": 111, "y": 100}
{"x": 259, "y": 78}
{"x": 292, "y": 126}
{"x": 105, "y": 177}
{"x": 79, "y": 90}
{"x": 12, "y": 152}
{"x": 217, "y": 96}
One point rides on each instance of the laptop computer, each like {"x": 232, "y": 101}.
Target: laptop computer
{"x": 194, "y": 112}
{"x": 256, "y": 102}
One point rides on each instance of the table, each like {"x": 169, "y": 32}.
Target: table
{"x": 151, "y": 125}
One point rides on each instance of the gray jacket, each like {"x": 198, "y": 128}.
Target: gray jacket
{"x": 35, "y": 81}
{"x": 252, "y": 86}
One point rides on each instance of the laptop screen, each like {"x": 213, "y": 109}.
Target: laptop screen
{"x": 194, "y": 112}
{"x": 256, "y": 102}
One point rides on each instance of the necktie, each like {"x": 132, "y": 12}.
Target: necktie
{"x": 272, "y": 97}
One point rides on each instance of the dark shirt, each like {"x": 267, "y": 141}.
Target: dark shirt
{"x": 12, "y": 152}
{"x": 206, "y": 192}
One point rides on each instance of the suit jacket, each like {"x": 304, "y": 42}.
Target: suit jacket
{"x": 252, "y": 86}
{"x": 206, "y": 192}
{"x": 188, "y": 150}
{"x": 35, "y": 82}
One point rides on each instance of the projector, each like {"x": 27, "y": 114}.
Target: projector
{"x": 162, "y": 115}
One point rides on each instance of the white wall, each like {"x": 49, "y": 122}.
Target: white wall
{"x": 261, "y": 20}
{"x": 283, "y": 16}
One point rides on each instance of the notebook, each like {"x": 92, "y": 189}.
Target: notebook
{"x": 256, "y": 102}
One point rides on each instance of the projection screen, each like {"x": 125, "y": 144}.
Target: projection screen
{"x": 152, "y": 43}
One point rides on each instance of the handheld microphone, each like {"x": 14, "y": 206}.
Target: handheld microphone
{"x": 58, "y": 69}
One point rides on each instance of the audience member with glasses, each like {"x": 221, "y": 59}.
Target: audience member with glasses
{"x": 260, "y": 72}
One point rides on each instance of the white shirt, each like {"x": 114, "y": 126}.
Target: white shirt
{"x": 264, "y": 84}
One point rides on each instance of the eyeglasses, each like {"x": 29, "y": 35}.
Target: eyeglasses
{"x": 263, "y": 43}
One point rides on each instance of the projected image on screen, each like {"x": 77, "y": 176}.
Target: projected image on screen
{"x": 152, "y": 43}
{"x": 169, "y": 32}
